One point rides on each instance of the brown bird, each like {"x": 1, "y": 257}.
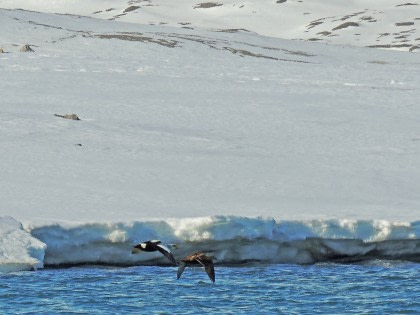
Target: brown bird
{"x": 154, "y": 246}
{"x": 198, "y": 259}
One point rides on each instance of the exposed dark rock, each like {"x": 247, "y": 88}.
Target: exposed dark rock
{"x": 404, "y": 24}
{"x": 298, "y": 53}
{"x": 131, "y": 8}
{"x": 68, "y": 116}
{"x": 379, "y": 62}
{"x": 281, "y": 1}
{"x": 138, "y": 37}
{"x": 345, "y": 25}
{"x": 404, "y": 4}
{"x": 233, "y": 30}
{"x": 366, "y": 18}
{"x": 207, "y": 5}
{"x": 313, "y": 24}
{"x": 390, "y": 46}
{"x": 244, "y": 53}
{"x": 413, "y": 48}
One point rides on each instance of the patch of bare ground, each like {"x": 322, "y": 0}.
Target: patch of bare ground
{"x": 413, "y": 48}
{"x": 298, "y": 53}
{"x": 205, "y": 41}
{"x": 405, "y": 4}
{"x": 346, "y": 17}
{"x": 368, "y": 19}
{"x": 287, "y": 51}
{"x": 211, "y": 43}
{"x": 84, "y": 33}
{"x": 409, "y": 31}
{"x": 325, "y": 33}
{"x": 281, "y": 1}
{"x": 379, "y": 62}
{"x": 382, "y": 35}
{"x": 138, "y": 37}
{"x": 131, "y": 8}
{"x": 345, "y": 25}
{"x": 207, "y": 5}
{"x": 233, "y": 30}
{"x": 404, "y": 23}
{"x": 390, "y": 46}
{"x": 243, "y": 53}
{"x": 117, "y": 16}
{"x": 313, "y": 39}
{"x": 68, "y": 116}
{"x": 313, "y": 24}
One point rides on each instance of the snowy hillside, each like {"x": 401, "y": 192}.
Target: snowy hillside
{"x": 192, "y": 121}
{"x": 179, "y": 122}
{"x": 387, "y": 23}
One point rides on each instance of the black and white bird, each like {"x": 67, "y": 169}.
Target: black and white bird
{"x": 153, "y": 246}
{"x": 198, "y": 258}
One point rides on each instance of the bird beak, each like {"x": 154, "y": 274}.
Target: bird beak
{"x": 135, "y": 250}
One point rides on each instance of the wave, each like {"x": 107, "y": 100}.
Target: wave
{"x": 230, "y": 239}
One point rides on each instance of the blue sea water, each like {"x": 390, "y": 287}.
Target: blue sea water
{"x": 376, "y": 287}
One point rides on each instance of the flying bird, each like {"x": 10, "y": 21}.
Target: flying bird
{"x": 198, "y": 258}
{"x": 153, "y": 246}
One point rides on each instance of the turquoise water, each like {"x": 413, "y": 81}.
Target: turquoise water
{"x": 377, "y": 287}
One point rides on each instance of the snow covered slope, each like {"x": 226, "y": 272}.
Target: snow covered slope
{"x": 187, "y": 121}
{"x": 179, "y": 122}
{"x": 386, "y": 23}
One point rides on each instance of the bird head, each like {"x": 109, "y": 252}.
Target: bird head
{"x": 138, "y": 248}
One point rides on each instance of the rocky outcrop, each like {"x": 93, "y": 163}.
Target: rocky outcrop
{"x": 413, "y": 48}
{"x": 207, "y": 5}
{"x": 68, "y": 116}
{"x": 345, "y": 25}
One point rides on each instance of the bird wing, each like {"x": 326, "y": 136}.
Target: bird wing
{"x": 209, "y": 267}
{"x": 166, "y": 252}
{"x": 181, "y": 268}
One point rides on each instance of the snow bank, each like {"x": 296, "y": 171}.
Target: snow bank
{"x": 18, "y": 249}
{"x": 231, "y": 240}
